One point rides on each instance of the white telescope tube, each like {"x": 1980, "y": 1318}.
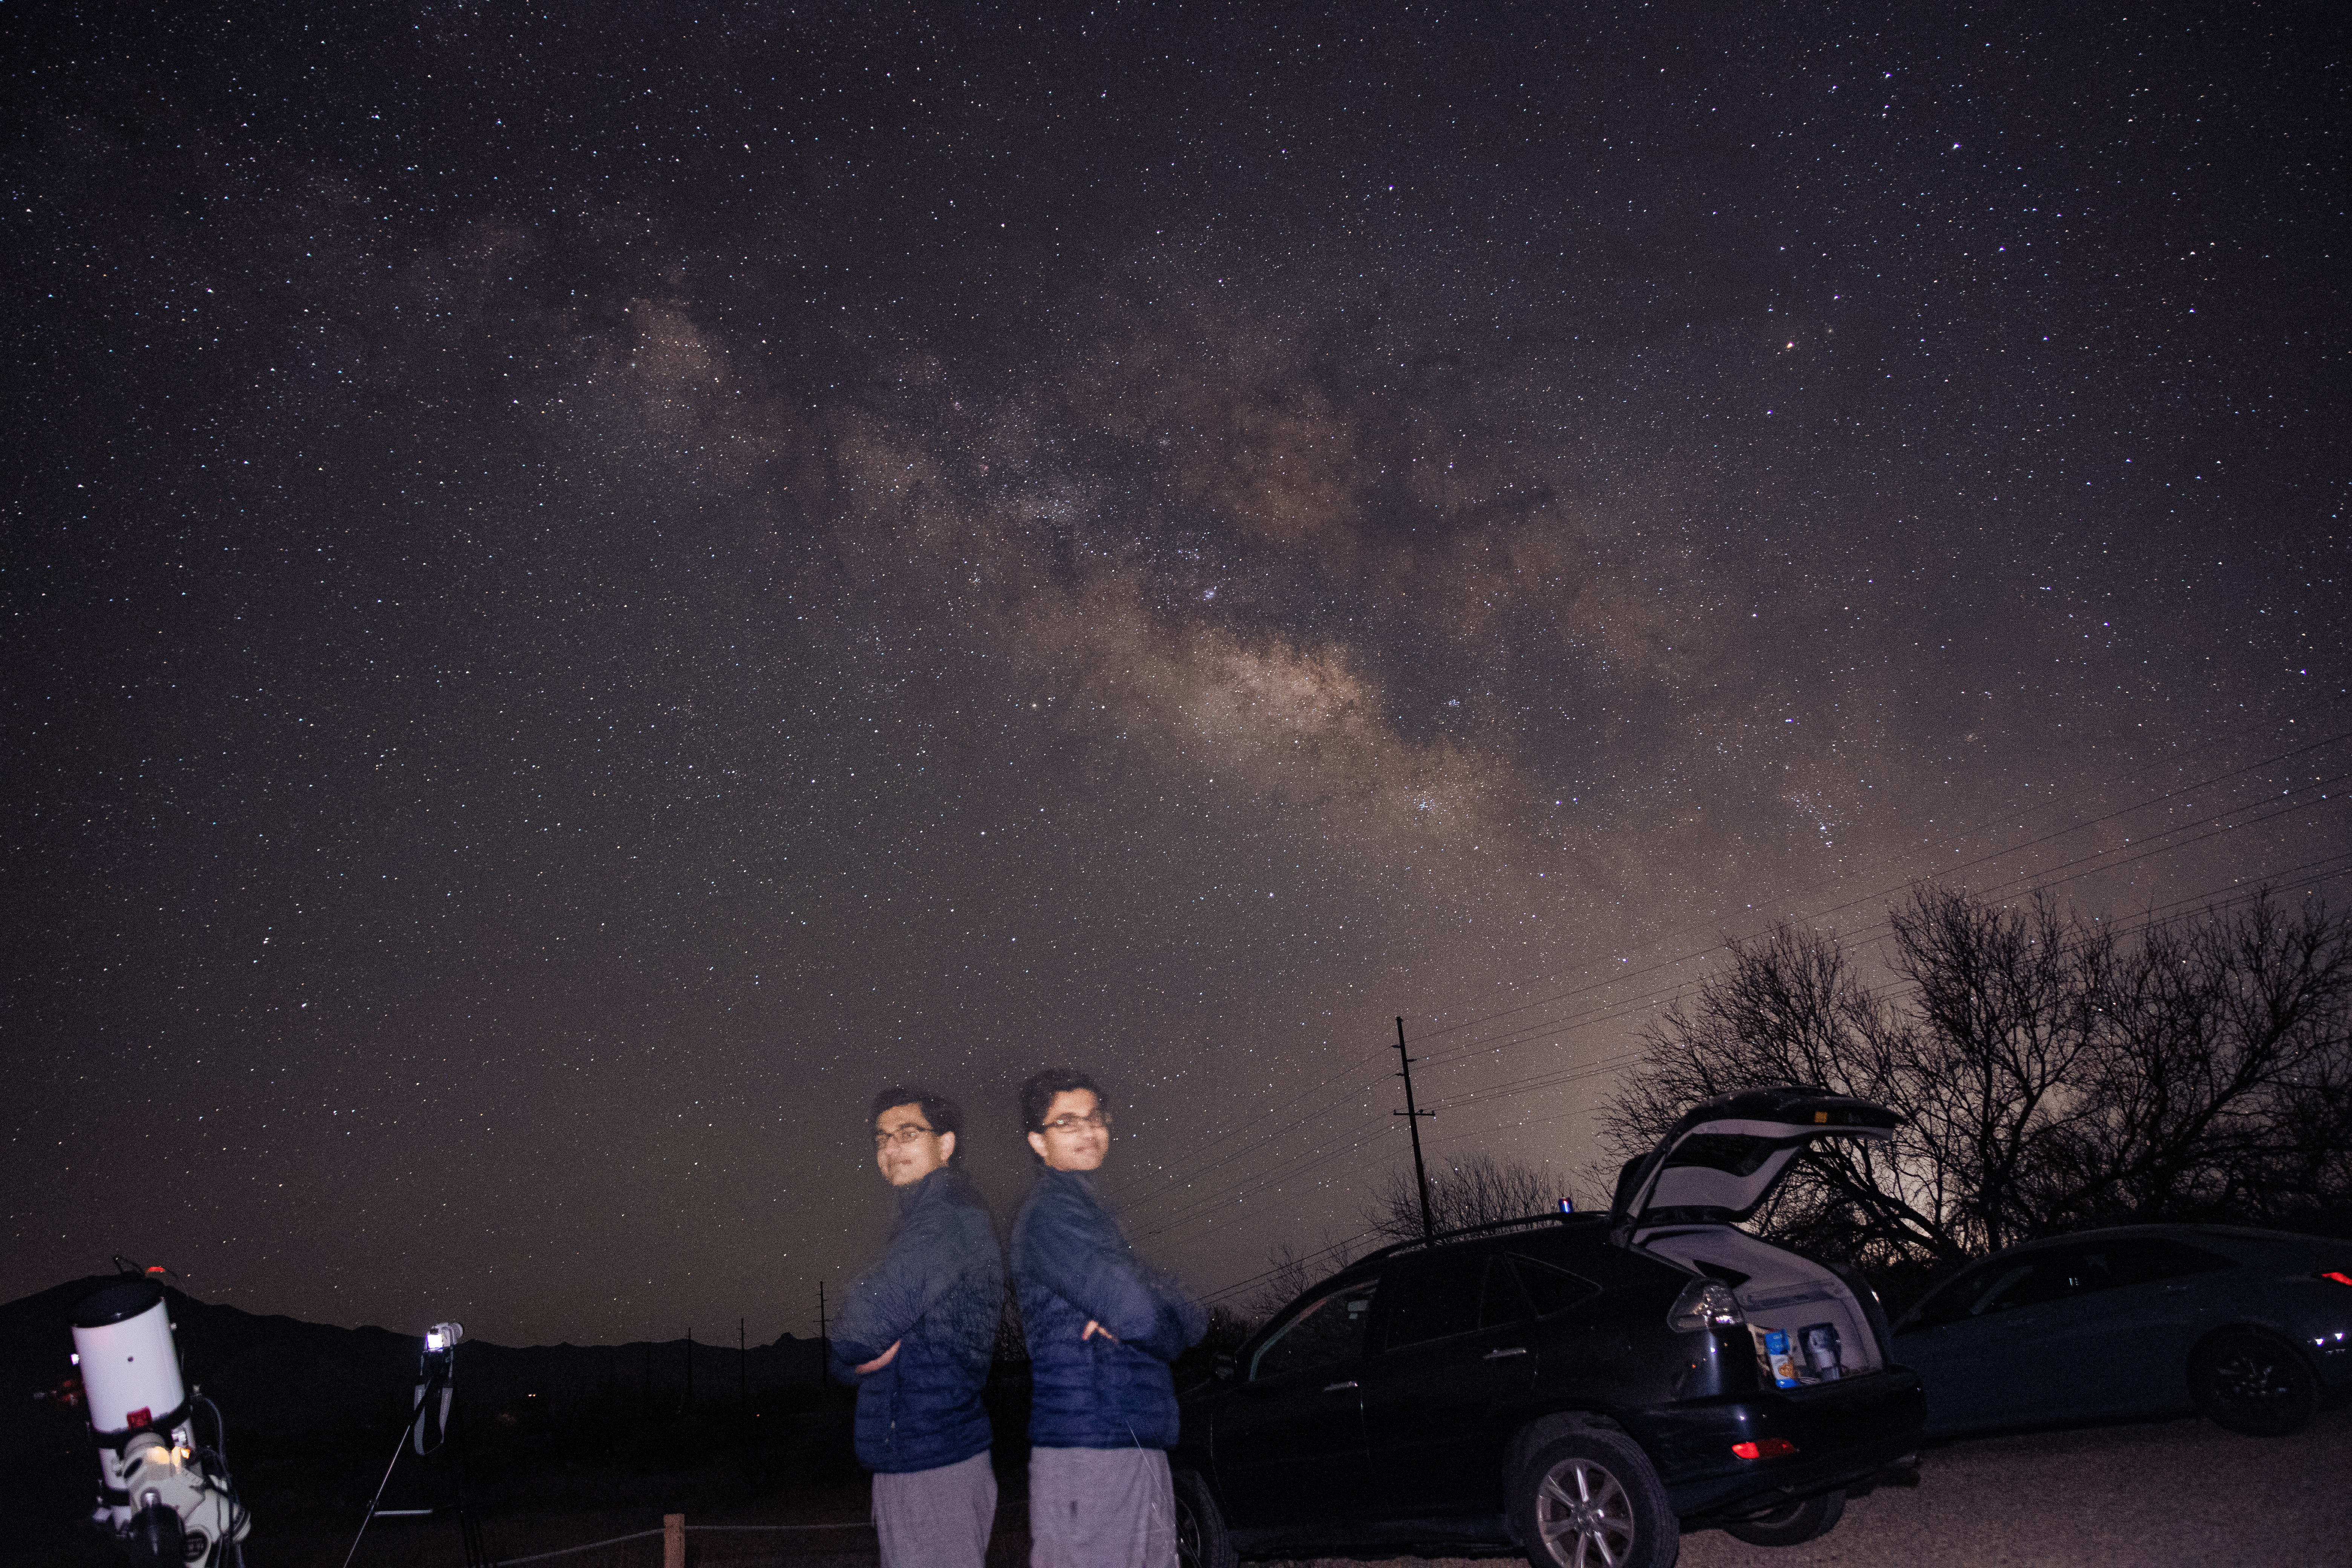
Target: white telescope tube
{"x": 129, "y": 1371}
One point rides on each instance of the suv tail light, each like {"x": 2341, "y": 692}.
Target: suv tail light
{"x": 1705, "y": 1304}
{"x": 1763, "y": 1448}
{"x": 2338, "y": 1275}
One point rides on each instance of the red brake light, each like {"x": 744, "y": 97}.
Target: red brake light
{"x": 1763, "y": 1448}
{"x": 2338, "y": 1275}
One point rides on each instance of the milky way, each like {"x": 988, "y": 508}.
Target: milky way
{"x": 581, "y": 596}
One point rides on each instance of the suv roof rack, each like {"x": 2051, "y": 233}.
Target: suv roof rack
{"x": 1491, "y": 1227}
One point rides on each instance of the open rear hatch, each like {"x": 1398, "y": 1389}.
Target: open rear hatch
{"x": 1684, "y": 1199}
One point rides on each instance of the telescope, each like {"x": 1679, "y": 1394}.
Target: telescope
{"x": 165, "y": 1499}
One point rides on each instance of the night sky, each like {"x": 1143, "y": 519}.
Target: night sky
{"x": 585, "y": 588}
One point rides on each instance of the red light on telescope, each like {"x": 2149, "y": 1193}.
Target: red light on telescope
{"x": 1764, "y": 1449}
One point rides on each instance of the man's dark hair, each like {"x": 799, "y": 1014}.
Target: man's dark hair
{"x": 944, "y": 1115}
{"x": 1037, "y": 1094}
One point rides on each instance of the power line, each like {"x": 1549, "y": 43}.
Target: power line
{"x": 1298, "y": 1162}
{"x": 1886, "y": 892}
{"x": 1184, "y": 1221}
{"x": 1283, "y": 1131}
{"x": 2035, "y": 878}
{"x": 1295, "y": 1164}
{"x": 1324, "y": 1251}
{"x": 2340, "y": 864}
{"x": 2337, "y": 864}
{"x": 1121, "y": 1190}
{"x": 1335, "y": 1147}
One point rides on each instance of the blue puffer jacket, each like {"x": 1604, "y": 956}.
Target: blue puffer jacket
{"x": 1070, "y": 1264}
{"x": 936, "y": 1292}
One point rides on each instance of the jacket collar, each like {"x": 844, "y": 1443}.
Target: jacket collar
{"x": 938, "y": 1184}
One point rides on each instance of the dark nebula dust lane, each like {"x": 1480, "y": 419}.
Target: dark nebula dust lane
{"x": 582, "y": 592}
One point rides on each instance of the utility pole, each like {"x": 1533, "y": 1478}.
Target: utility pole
{"x": 1413, "y": 1125}
{"x": 742, "y": 1366}
{"x": 690, "y": 1368}
{"x": 824, "y": 1350}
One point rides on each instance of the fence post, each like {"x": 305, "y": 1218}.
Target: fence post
{"x": 673, "y": 1540}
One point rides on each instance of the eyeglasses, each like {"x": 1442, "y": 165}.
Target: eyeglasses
{"x": 903, "y": 1134}
{"x": 1071, "y": 1122}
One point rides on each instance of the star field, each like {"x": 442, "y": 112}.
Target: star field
{"x": 582, "y": 592}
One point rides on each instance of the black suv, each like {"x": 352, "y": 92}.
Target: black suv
{"x": 1579, "y": 1385}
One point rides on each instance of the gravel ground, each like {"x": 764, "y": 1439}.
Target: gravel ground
{"x": 2177, "y": 1494}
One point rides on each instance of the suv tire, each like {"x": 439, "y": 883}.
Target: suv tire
{"x": 2252, "y": 1384}
{"x": 1792, "y": 1524}
{"x": 1591, "y": 1499}
{"x": 1201, "y": 1538}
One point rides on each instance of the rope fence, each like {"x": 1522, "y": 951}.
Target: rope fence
{"x": 673, "y": 1534}
{"x": 575, "y": 1551}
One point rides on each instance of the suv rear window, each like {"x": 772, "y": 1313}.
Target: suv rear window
{"x": 1734, "y": 1154}
{"x": 1551, "y": 1288}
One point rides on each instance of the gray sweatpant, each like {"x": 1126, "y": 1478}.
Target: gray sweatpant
{"x": 1101, "y": 1507}
{"x": 936, "y": 1519}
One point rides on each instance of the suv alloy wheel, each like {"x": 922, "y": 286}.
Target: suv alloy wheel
{"x": 1589, "y": 1499}
{"x": 2252, "y": 1384}
{"x": 1792, "y": 1525}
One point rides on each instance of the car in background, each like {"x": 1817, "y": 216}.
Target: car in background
{"x": 1583, "y": 1386}
{"x": 2253, "y": 1328}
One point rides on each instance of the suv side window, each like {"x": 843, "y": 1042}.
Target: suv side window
{"x": 1990, "y": 1286}
{"x": 1440, "y": 1296}
{"x": 2025, "y": 1282}
{"x": 1325, "y": 1332}
{"x": 2059, "y": 1273}
{"x": 2054, "y": 1274}
{"x": 1551, "y": 1288}
{"x": 1436, "y": 1297}
{"x": 2069, "y": 1272}
{"x": 2140, "y": 1260}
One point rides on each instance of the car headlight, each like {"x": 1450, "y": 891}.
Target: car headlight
{"x": 1705, "y": 1304}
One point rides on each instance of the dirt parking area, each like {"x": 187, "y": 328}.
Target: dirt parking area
{"x": 2177, "y": 1494}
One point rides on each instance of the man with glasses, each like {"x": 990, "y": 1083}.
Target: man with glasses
{"x": 915, "y": 1333}
{"x": 1102, "y": 1330}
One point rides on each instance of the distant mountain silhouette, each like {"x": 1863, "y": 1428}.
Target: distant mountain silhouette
{"x": 314, "y": 1412}
{"x": 287, "y": 1377}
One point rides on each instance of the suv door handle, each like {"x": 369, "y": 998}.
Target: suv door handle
{"x": 1498, "y": 1355}
{"x": 1336, "y": 1387}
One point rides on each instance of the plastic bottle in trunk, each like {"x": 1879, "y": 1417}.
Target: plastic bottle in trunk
{"x": 1820, "y": 1346}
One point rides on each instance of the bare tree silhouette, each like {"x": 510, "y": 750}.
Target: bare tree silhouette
{"x": 1470, "y": 1191}
{"x": 2051, "y": 1074}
